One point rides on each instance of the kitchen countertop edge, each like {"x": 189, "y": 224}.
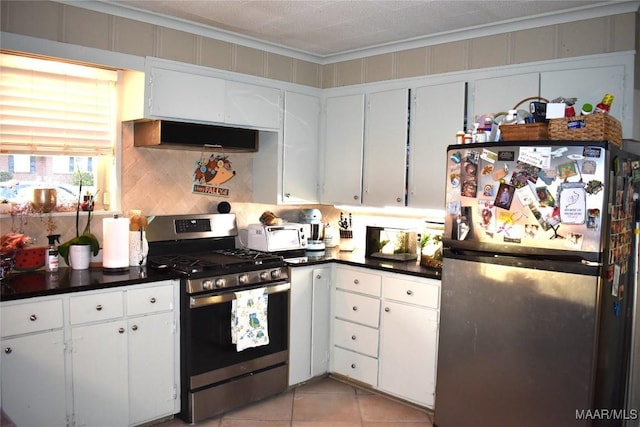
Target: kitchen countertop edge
{"x": 41, "y": 283}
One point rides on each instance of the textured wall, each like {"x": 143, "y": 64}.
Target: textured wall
{"x": 69, "y": 24}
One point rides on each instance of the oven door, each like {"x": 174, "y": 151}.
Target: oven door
{"x": 212, "y": 357}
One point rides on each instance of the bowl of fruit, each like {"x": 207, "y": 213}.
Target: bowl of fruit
{"x": 10, "y": 245}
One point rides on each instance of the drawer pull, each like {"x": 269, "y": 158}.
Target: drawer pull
{"x": 121, "y": 330}
{"x": 319, "y": 276}
{"x": 353, "y": 337}
{"x": 355, "y": 308}
{"x": 387, "y": 309}
{"x": 152, "y": 300}
{"x": 353, "y": 366}
{"x": 134, "y": 327}
{"x": 409, "y": 292}
{"x": 99, "y": 307}
{"x": 33, "y": 317}
{"x": 356, "y": 281}
{"x": 8, "y": 350}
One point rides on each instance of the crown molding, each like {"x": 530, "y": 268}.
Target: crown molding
{"x": 606, "y": 8}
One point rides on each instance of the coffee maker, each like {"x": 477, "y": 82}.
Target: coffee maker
{"x": 315, "y": 235}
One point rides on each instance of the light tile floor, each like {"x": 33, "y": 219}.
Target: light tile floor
{"x": 325, "y": 402}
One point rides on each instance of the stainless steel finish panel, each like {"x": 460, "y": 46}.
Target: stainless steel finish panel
{"x": 516, "y": 346}
{"x": 228, "y": 281}
{"x": 162, "y": 228}
{"x": 200, "y": 301}
{"x": 238, "y": 369}
{"x": 215, "y": 400}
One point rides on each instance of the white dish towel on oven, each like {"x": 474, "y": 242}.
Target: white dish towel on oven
{"x": 249, "y": 319}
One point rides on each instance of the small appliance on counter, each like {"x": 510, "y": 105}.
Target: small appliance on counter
{"x": 277, "y": 238}
{"x": 391, "y": 243}
{"x": 313, "y": 219}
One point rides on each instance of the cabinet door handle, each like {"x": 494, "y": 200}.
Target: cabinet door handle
{"x": 152, "y": 300}
{"x": 353, "y": 366}
{"x": 409, "y": 292}
{"x": 287, "y": 195}
{"x": 33, "y": 317}
{"x": 353, "y": 337}
{"x": 121, "y": 330}
{"x": 319, "y": 276}
{"x": 356, "y": 197}
{"x": 355, "y": 308}
{"x": 134, "y": 327}
{"x": 387, "y": 309}
{"x": 398, "y": 200}
{"x": 99, "y": 307}
{"x": 356, "y": 281}
{"x": 8, "y": 350}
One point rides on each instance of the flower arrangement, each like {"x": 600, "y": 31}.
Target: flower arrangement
{"x": 86, "y": 238}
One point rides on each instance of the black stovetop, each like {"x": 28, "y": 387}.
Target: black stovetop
{"x": 216, "y": 262}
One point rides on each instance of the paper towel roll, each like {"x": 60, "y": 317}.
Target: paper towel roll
{"x": 115, "y": 245}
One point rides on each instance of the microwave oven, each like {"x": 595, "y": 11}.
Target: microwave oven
{"x": 276, "y": 238}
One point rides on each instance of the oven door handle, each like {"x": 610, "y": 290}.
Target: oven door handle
{"x": 201, "y": 301}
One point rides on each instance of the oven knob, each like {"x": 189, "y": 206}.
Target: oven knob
{"x": 207, "y": 284}
{"x": 275, "y": 273}
{"x": 219, "y": 283}
{"x": 265, "y": 275}
{"x": 243, "y": 279}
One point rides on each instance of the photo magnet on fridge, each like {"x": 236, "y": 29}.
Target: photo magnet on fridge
{"x": 505, "y": 196}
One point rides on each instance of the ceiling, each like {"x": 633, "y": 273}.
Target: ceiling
{"x": 328, "y": 28}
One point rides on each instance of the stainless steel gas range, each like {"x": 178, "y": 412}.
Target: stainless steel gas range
{"x": 215, "y": 375}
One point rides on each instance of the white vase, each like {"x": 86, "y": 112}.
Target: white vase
{"x": 79, "y": 256}
{"x": 138, "y": 248}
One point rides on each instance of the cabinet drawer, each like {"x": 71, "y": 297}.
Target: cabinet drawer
{"x": 412, "y": 292}
{"x": 31, "y": 317}
{"x": 358, "y": 281}
{"x": 96, "y": 307}
{"x": 355, "y": 337}
{"x": 150, "y": 300}
{"x": 357, "y": 366}
{"x": 357, "y": 308}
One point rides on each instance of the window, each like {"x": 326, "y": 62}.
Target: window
{"x": 57, "y": 128}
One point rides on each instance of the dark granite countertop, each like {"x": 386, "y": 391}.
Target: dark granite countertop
{"x": 357, "y": 259}
{"x": 42, "y": 283}
{"x": 65, "y": 280}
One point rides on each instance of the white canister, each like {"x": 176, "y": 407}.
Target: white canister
{"x": 138, "y": 248}
{"x": 115, "y": 247}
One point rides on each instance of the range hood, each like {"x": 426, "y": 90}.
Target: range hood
{"x": 192, "y": 136}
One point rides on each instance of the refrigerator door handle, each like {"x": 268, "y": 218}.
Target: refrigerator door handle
{"x": 591, "y": 263}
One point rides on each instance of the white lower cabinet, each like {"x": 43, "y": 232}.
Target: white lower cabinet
{"x": 385, "y": 331}
{"x": 33, "y": 379}
{"x": 356, "y": 314}
{"x": 100, "y": 374}
{"x": 409, "y": 338}
{"x": 309, "y": 323}
{"x": 96, "y": 358}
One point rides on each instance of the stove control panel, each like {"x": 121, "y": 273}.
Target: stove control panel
{"x": 239, "y": 280}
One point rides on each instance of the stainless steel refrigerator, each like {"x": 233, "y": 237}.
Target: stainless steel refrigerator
{"x": 537, "y": 270}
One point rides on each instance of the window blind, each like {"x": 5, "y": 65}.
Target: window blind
{"x": 49, "y": 107}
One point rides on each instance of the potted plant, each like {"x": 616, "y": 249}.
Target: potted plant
{"x": 86, "y": 238}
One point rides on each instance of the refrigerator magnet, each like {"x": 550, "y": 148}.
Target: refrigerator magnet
{"x": 572, "y": 202}
{"x": 505, "y": 196}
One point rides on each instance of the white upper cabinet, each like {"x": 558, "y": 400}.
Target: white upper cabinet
{"x": 589, "y": 85}
{"x": 252, "y": 105}
{"x": 500, "y": 94}
{"x": 437, "y": 113}
{"x": 343, "y": 144}
{"x": 300, "y": 152}
{"x": 181, "y": 95}
{"x": 385, "y": 148}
